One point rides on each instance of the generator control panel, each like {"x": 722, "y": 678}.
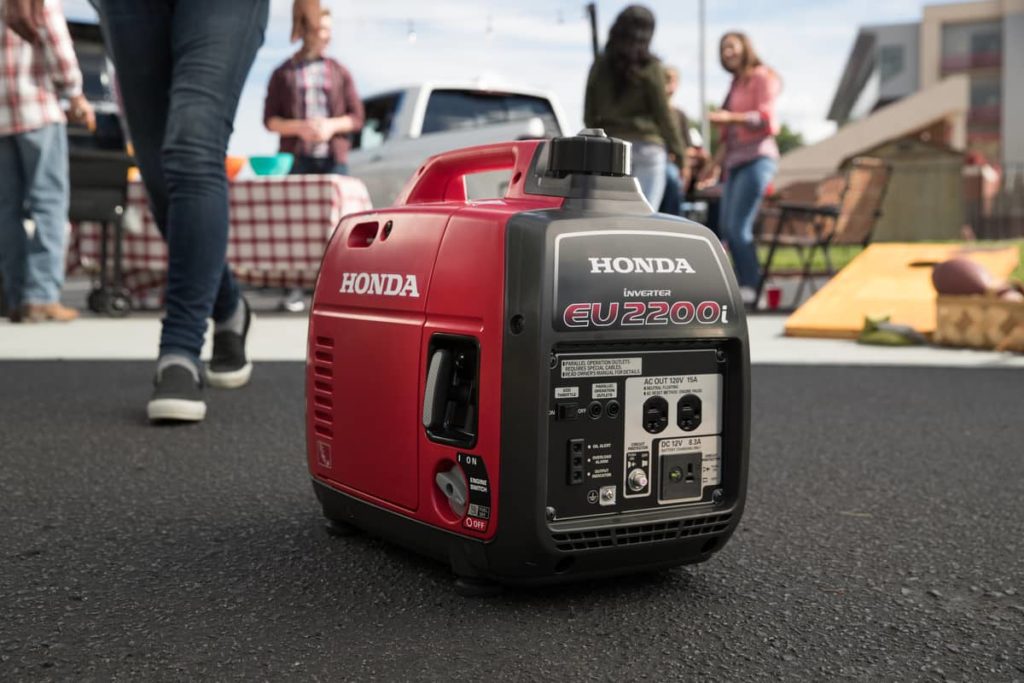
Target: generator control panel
{"x": 630, "y": 431}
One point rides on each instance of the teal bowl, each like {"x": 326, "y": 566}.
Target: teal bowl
{"x": 279, "y": 164}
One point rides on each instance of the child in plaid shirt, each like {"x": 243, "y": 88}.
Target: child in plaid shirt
{"x": 313, "y": 105}
{"x": 34, "y": 74}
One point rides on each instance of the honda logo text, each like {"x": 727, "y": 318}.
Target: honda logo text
{"x": 637, "y": 264}
{"x": 381, "y": 284}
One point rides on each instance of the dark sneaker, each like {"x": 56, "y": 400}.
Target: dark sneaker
{"x": 229, "y": 368}
{"x": 177, "y": 396}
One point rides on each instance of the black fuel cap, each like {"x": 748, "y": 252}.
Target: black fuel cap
{"x": 590, "y": 151}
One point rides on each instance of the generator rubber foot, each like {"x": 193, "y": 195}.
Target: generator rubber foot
{"x": 476, "y": 588}
{"x": 339, "y": 529}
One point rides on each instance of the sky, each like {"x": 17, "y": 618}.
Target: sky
{"x": 546, "y": 44}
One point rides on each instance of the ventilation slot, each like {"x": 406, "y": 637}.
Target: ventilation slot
{"x": 322, "y": 353}
{"x": 642, "y": 533}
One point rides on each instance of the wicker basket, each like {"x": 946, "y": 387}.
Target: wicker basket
{"x": 980, "y": 322}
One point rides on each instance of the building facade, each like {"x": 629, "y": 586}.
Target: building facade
{"x": 983, "y": 41}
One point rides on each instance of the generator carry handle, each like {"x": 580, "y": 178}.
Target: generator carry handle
{"x": 442, "y": 177}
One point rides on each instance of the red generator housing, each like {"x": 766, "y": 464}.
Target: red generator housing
{"x": 546, "y": 386}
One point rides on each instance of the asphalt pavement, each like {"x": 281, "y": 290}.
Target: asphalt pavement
{"x": 883, "y": 539}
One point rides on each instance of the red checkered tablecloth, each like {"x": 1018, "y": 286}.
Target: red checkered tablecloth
{"x": 279, "y": 227}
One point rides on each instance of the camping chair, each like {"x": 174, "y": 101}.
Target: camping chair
{"x": 845, "y": 211}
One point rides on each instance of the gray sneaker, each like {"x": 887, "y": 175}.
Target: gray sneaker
{"x": 228, "y": 367}
{"x": 177, "y": 396}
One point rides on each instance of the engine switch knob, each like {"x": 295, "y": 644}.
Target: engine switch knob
{"x": 637, "y": 480}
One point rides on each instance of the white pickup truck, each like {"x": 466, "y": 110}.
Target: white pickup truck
{"x": 405, "y": 126}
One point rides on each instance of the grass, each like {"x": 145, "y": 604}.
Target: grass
{"x": 786, "y": 259}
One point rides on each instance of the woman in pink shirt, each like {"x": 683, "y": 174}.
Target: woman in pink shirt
{"x": 747, "y": 154}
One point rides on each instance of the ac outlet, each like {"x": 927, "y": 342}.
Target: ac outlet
{"x": 655, "y": 414}
{"x": 688, "y": 412}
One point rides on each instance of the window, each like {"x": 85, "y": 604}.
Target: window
{"x": 523, "y": 107}
{"x": 975, "y": 45}
{"x": 449, "y": 110}
{"x": 380, "y": 115}
{"x": 986, "y": 43}
{"x": 890, "y": 61}
{"x": 986, "y": 103}
{"x": 986, "y": 92}
{"x": 95, "y": 74}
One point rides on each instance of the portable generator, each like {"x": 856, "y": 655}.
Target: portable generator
{"x": 547, "y": 386}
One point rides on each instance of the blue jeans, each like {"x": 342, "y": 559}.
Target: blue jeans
{"x": 741, "y": 200}
{"x": 33, "y": 184}
{"x": 672, "y": 199}
{"x": 649, "y": 161}
{"x": 181, "y": 65}
{"x": 315, "y": 166}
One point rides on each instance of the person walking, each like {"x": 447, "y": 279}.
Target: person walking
{"x": 313, "y": 105}
{"x": 747, "y": 154}
{"x": 626, "y": 97}
{"x": 34, "y": 74}
{"x": 181, "y": 65}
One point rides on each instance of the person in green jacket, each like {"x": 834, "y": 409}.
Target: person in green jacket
{"x": 626, "y": 97}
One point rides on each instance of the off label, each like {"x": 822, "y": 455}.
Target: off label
{"x": 602, "y": 367}
{"x": 478, "y": 512}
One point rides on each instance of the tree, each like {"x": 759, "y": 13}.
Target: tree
{"x": 788, "y": 139}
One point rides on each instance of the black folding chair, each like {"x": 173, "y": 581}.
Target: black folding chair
{"x": 810, "y": 227}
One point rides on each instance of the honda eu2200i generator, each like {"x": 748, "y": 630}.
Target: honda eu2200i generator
{"x": 547, "y": 386}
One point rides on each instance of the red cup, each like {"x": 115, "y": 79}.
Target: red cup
{"x": 773, "y": 295}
